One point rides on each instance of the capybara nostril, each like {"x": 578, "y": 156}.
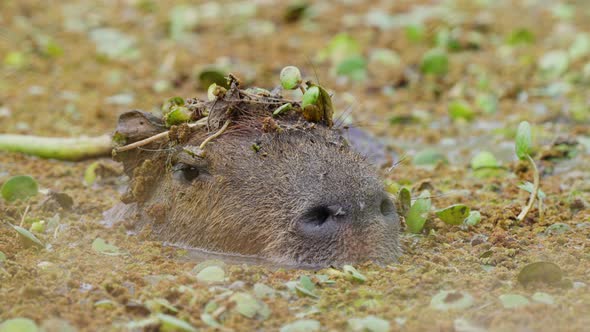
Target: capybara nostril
{"x": 322, "y": 220}
{"x": 387, "y": 207}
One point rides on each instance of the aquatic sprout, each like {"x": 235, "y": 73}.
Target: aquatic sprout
{"x": 523, "y": 147}
{"x": 290, "y": 77}
{"x": 418, "y": 213}
{"x": 435, "y": 62}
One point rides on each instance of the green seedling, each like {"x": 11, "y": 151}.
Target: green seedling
{"x": 291, "y": 78}
{"x": 418, "y": 213}
{"x": 435, "y": 62}
{"x": 523, "y": 147}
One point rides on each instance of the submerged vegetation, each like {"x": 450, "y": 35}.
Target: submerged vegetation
{"x": 454, "y": 90}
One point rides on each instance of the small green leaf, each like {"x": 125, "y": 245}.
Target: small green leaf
{"x": 546, "y": 272}
{"x": 558, "y": 228}
{"x": 303, "y": 325}
{"x": 513, "y": 301}
{"x": 105, "y": 304}
{"x": 415, "y": 33}
{"x": 418, "y": 213}
{"x": 404, "y": 199}
{"x": 529, "y": 187}
{"x": 354, "y": 67}
{"x": 369, "y": 324}
{"x": 38, "y": 226}
{"x": 90, "y": 173}
{"x": 353, "y": 274}
{"x": 290, "y": 78}
{"x": 246, "y": 304}
{"x": 429, "y": 157}
{"x": 282, "y": 109}
{"x": 15, "y": 60}
{"x": 484, "y": 159}
{"x": 27, "y": 238}
{"x": 520, "y": 36}
{"x": 454, "y": 214}
{"x": 19, "y": 325}
{"x": 543, "y": 298}
{"x": 435, "y": 62}
{"x": 451, "y": 300}
{"x": 554, "y": 63}
{"x": 19, "y": 187}
{"x": 459, "y": 109}
{"x": 212, "y": 75}
{"x": 160, "y": 305}
{"x": 524, "y": 140}
{"x": 210, "y": 321}
{"x": 2, "y": 257}
{"x": 101, "y": 246}
{"x": 177, "y": 115}
{"x": 306, "y": 287}
{"x": 488, "y": 103}
{"x": 211, "y": 274}
{"x": 473, "y": 218}
{"x": 171, "y": 323}
{"x": 339, "y": 48}
{"x": 262, "y": 291}
{"x": 311, "y": 96}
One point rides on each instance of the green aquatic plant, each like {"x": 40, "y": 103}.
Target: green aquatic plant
{"x": 523, "y": 148}
{"x": 19, "y": 187}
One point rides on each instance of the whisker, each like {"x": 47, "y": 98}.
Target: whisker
{"x": 397, "y": 163}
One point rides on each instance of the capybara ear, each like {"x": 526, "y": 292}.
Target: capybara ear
{"x": 134, "y": 126}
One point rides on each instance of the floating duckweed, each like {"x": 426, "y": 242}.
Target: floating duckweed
{"x": 19, "y": 325}
{"x": 418, "y": 213}
{"x": 369, "y": 324}
{"x": 451, "y": 300}
{"x": 211, "y": 274}
{"x": 513, "y": 301}
{"x": 454, "y": 214}
{"x": 27, "y": 238}
{"x": 540, "y": 272}
{"x": 353, "y": 274}
{"x": 19, "y": 187}
{"x": 435, "y": 62}
{"x": 102, "y": 247}
{"x": 303, "y": 325}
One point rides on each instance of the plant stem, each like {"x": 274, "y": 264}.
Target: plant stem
{"x": 57, "y": 148}
{"x": 302, "y": 88}
{"x": 534, "y": 193}
{"x": 217, "y": 134}
{"x": 202, "y": 122}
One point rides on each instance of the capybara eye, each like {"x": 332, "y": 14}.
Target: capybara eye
{"x": 186, "y": 172}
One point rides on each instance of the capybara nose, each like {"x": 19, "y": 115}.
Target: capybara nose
{"x": 326, "y": 219}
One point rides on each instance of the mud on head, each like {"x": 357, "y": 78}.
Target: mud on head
{"x": 281, "y": 188}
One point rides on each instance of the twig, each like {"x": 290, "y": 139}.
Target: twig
{"x": 22, "y": 219}
{"x": 156, "y": 137}
{"x": 534, "y": 193}
{"x": 217, "y": 134}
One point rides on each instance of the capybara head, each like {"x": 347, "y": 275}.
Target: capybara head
{"x": 280, "y": 188}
